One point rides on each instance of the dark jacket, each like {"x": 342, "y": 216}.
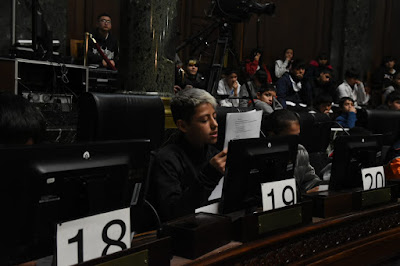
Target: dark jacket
{"x": 285, "y": 92}
{"x": 347, "y": 119}
{"x": 181, "y": 179}
{"x": 109, "y": 47}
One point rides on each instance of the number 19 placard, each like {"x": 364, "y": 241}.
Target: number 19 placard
{"x": 92, "y": 237}
{"x": 278, "y": 194}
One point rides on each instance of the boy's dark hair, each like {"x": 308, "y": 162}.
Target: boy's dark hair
{"x": 393, "y": 96}
{"x": 343, "y": 100}
{"x": 229, "y": 71}
{"x": 266, "y": 87}
{"x": 103, "y": 15}
{"x": 280, "y": 120}
{"x": 20, "y": 120}
{"x": 298, "y": 64}
{"x": 326, "y": 70}
{"x": 261, "y": 76}
{"x": 184, "y": 103}
{"x": 352, "y": 73}
{"x": 387, "y": 59}
{"x": 322, "y": 98}
{"x": 192, "y": 60}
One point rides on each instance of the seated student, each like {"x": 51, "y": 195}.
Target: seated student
{"x": 352, "y": 87}
{"x": 316, "y": 66}
{"x": 347, "y": 117}
{"x": 323, "y": 83}
{"x": 230, "y": 87}
{"x": 394, "y": 86}
{"x": 285, "y": 122}
{"x": 20, "y": 121}
{"x": 266, "y": 99}
{"x": 184, "y": 173}
{"x": 259, "y": 79}
{"x": 283, "y": 65}
{"x": 255, "y": 63}
{"x": 293, "y": 87}
{"x": 323, "y": 104}
{"x": 191, "y": 78}
{"x": 392, "y": 102}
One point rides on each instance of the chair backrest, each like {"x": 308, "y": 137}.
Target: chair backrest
{"x": 76, "y": 48}
{"x": 121, "y": 116}
{"x": 386, "y": 122}
{"x": 315, "y": 131}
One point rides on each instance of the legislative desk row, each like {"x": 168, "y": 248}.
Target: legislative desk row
{"x": 368, "y": 236}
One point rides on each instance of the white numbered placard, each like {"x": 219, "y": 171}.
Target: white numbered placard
{"x": 92, "y": 237}
{"x": 278, "y": 194}
{"x": 373, "y": 177}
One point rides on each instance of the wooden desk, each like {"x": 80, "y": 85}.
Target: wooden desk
{"x": 360, "y": 238}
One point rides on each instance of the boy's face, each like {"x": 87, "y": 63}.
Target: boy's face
{"x": 325, "y": 108}
{"x": 267, "y": 96}
{"x": 104, "y": 23}
{"x": 299, "y": 73}
{"x": 351, "y": 81}
{"x": 348, "y": 105}
{"x": 395, "y": 105}
{"x": 203, "y": 126}
{"x": 231, "y": 79}
{"x": 192, "y": 69}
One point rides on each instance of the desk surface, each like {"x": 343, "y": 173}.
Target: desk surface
{"x": 359, "y": 238}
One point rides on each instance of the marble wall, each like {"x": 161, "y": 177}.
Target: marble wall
{"x": 55, "y": 14}
{"x": 351, "y": 35}
{"x": 147, "y": 45}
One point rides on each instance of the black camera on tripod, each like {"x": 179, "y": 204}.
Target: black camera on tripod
{"x": 239, "y": 10}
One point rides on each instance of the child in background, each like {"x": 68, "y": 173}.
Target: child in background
{"x": 347, "y": 117}
{"x": 266, "y": 99}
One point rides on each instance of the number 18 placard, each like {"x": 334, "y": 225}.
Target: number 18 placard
{"x": 92, "y": 237}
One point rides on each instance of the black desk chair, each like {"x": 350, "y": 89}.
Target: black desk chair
{"x": 121, "y": 116}
{"x": 124, "y": 116}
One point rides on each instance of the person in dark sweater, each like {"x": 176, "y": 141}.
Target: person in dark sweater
{"x": 293, "y": 87}
{"x": 347, "y": 117}
{"x": 185, "y": 172}
{"x": 107, "y": 42}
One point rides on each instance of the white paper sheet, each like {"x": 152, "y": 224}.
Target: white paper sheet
{"x": 242, "y": 126}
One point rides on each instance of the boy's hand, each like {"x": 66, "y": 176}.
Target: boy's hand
{"x": 353, "y": 109}
{"x": 219, "y": 161}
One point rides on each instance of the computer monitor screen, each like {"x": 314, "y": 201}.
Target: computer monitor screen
{"x": 315, "y": 131}
{"x": 46, "y": 184}
{"x": 351, "y": 154}
{"x": 250, "y": 163}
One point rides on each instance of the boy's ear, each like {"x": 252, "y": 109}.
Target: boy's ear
{"x": 258, "y": 95}
{"x": 181, "y": 125}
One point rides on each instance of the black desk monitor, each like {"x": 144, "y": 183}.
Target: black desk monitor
{"x": 46, "y": 184}
{"x": 250, "y": 163}
{"x": 351, "y": 154}
{"x": 386, "y": 122}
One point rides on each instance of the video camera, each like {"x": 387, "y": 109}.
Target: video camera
{"x": 239, "y": 10}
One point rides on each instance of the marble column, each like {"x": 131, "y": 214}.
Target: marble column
{"x": 351, "y": 35}
{"x": 147, "y": 45}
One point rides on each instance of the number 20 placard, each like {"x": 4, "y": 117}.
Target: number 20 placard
{"x": 92, "y": 237}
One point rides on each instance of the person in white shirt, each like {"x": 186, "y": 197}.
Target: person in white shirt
{"x": 283, "y": 65}
{"x": 352, "y": 87}
{"x": 230, "y": 87}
